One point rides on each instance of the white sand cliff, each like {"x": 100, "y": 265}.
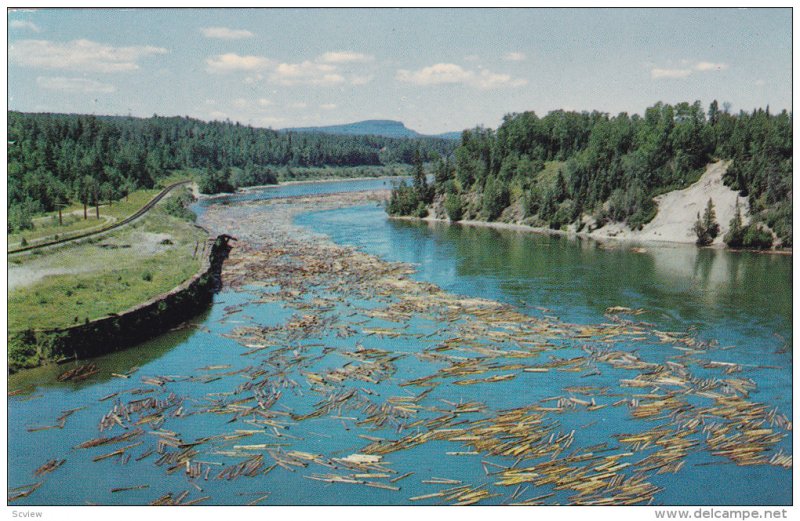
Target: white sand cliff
{"x": 677, "y": 211}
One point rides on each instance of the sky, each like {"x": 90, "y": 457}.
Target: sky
{"x": 436, "y": 70}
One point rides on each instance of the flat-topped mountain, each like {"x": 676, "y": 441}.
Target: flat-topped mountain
{"x": 375, "y": 127}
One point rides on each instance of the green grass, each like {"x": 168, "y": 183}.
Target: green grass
{"x": 547, "y": 177}
{"x": 188, "y": 174}
{"x": 103, "y": 279}
{"x": 46, "y": 227}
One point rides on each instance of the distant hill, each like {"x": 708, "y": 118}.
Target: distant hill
{"x": 449, "y": 135}
{"x": 373, "y": 127}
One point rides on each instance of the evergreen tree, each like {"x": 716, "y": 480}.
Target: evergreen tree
{"x": 420, "y": 181}
{"x": 706, "y": 228}
{"x": 736, "y": 232}
{"x": 710, "y": 220}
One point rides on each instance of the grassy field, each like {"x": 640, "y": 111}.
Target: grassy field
{"x": 46, "y": 227}
{"x": 106, "y": 275}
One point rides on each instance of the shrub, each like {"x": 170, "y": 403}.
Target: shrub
{"x": 562, "y": 216}
{"x": 454, "y": 207}
{"x": 495, "y": 198}
{"x": 178, "y": 204}
{"x": 756, "y": 238}
{"x": 735, "y": 236}
{"x": 147, "y": 276}
{"x": 404, "y": 201}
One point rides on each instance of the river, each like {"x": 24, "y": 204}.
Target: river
{"x": 736, "y": 309}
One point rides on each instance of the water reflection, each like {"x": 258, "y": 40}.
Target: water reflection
{"x": 738, "y": 297}
{"x": 119, "y": 362}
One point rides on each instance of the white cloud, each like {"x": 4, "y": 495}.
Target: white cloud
{"x": 437, "y": 74}
{"x": 24, "y": 24}
{"x": 689, "y": 68}
{"x": 264, "y": 102}
{"x": 514, "y": 57}
{"x": 450, "y": 73}
{"x": 324, "y": 70}
{"x": 232, "y": 62}
{"x": 361, "y": 80}
{"x": 306, "y": 73}
{"x": 79, "y": 55}
{"x": 760, "y": 83}
{"x": 80, "y": 85}
{"x": 298, "y": 105}
{"x": 344, "y": 57}
{"x": 225, "y": 33}
{"x": 709, "y": 66}
{"x": 490, "y": 80}
{"x": 328, "y": 106}
{"x": 657, "y": 73}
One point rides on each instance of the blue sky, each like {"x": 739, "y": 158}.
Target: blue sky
{"x": 436, "y": 70}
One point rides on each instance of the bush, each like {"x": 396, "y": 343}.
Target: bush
{"x": 253, "y": 176}
{"x": 632, "y": 205}
{"x": 178, "y": 204}
{"x": 756, "y": 238}
{"x": 147, "y": 276}
{"x": 495, "y": 198}
{"x": 454, "y": 207}
{"x": 404, "y": 201}
{"x": 215, "y": 181}
{"x": 562, "y": 216}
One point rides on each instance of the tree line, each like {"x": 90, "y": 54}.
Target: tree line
{"x": 56, "y": 159}
{"x": 557, "y": 169}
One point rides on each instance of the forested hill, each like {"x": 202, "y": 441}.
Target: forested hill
{"x": 587, "y": 169}
{"x": 54, "y": 158}
{"x": 375, "y": 127}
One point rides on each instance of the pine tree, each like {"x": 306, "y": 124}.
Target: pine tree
{"x": 420, "y": 181}
{"x": 706, "y": 228}
{"x": 710, "y": 220}
{"x": 736, "y": 233}
{"x": 700, "y": 231}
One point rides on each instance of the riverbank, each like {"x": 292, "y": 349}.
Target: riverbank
{"x": 673, "y": 223}
{"x": 332, "y": 371}
{"x": 66, "y": 287}
{"x": 250, "y": 189}
{"x": 36, "y": 346}
{"x": 623, "y": 241}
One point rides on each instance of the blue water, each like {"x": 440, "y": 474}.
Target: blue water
{"x": 742, "y": 300}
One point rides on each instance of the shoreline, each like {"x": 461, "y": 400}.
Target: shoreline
{"x": 632, "y": 242}
{"x": 319, "y": 181}
{"x": 248, "y": 189}
{"x": 117, "y": 331}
